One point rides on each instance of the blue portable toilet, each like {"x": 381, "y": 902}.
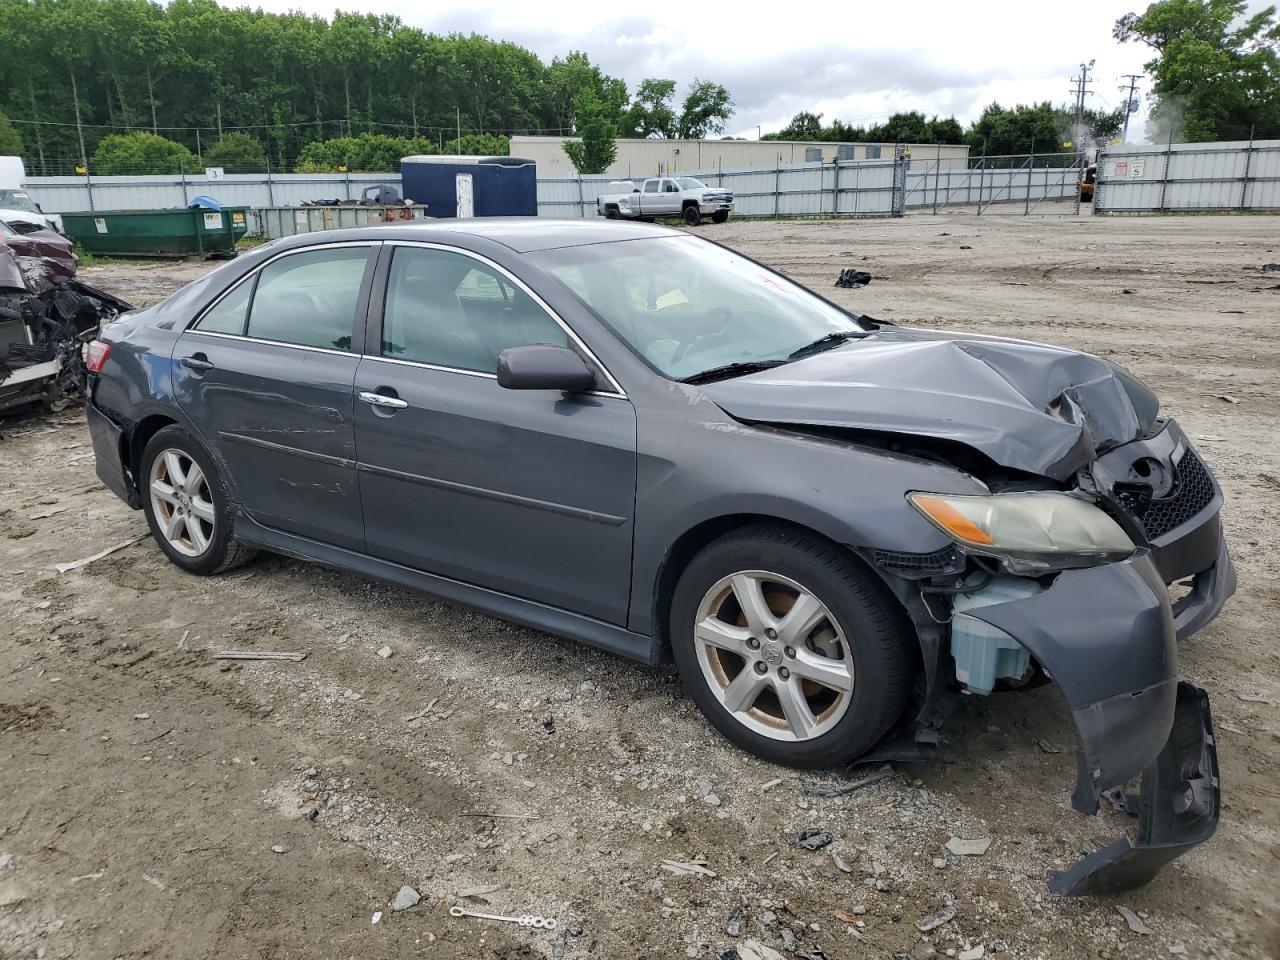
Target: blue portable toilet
{"x": 457, "y": 186}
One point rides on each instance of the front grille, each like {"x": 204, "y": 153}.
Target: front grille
{"x": 1192, "y": 491}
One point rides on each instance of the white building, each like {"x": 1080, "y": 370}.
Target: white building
{"x": 647, "y": 158}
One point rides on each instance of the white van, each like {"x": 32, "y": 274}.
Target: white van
{"x": 17, "y": 209}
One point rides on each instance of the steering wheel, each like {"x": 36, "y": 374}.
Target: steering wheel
{"x": 705, "y": 327}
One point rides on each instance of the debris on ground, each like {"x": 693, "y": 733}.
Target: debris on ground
{"x": 479, "y": 893}
{"x": 973, "y": 953}
{"x": 1134, "y": 921}
{"x": 46, "y": 316}
{"x": 85, "y": 561}
{"x": 1225, "y": 397}
{"x": 755, "y": 950}
{"x": 279, "y": 848}
{"x": 810, "y": 839}
{"x": 687, "y": 868}
{"x": 377, "y": 915}
{"x": 1251, "y": 698}
{"x": 851, "y": 279}
{"x": 407, "y": 897}
{"x": 1271, "y": 268}
{"x": 943, "y": 914}
{"x": 258, "y": 655}
{"x": 1047, "y": 747}
{"x": 841, "y": 864}
{"x": 968, "y": 848}
{"x": 881, "y": 773}
{"x": 385, "y": 652}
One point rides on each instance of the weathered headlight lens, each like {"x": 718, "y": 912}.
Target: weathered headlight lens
{"x": 1030, "y": 532}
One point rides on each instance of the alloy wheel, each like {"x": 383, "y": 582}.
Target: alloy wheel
{"x": 182, "y": 502}
{"x": 774, "y": 655}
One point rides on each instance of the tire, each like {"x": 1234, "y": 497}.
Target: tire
{"x": 720, "y": 216}
{"x": 611, "y": 213}
{"x": 202, "y": 541}
{"x": 692, "y": 215}
{"x": 860, "y": 630}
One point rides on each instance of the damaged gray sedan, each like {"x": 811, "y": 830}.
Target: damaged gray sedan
{"x": 647, "y": 442}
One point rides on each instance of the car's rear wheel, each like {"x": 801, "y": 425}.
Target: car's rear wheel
{"x": 789, "y": 648}
{"x": 187, "y": 505}
{"x": 692, "y": 215}
{"x": 611, "y": 213}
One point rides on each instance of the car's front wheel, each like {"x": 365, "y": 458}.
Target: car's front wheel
{"x": 187, "y": 505}
{"x": 789, "y": 648}
{"x": 692, "y": 215}
{"x": 720, "y": 216}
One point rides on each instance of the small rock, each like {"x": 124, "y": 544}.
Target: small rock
{"x": 377, "y": 915}
{"x": 1126, "y": 290}
{"x": 1177, "y": 949}
{"x": 561, "y": 696}
{"x": 973, "y": 953}
{"x": 279, "y": 848}
{"x": 1132, "y": 919}
{"x": 755, "y": 950}
{"x": 6, "y": 861}
{"x": 406, "y": 898}
{"x": 701, "y": 787}
{"x": 385, "y": 652}
{"x": 859, "y": 910}
{"x": 711, "y": 800}
{"x": 811, "y": 839}
{"x": 940, "y": 863}
{"x": 942, "y": 915}
{"x": 968, "y": 848}
{"x": 142, "y": 716}
{"x": 733, "y": 926}
{"x": 923, "y": 951}
{"x": 840, "y": 863}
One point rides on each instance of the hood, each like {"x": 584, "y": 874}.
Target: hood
{"x": 1027, "y": 406}
{"x": 35, "y": 262}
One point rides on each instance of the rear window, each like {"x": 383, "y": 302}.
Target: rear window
{"x": 309, "y": 298}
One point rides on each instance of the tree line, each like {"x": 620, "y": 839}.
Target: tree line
{"x": 74, "y": 73}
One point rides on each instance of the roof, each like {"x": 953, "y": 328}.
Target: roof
{"x": 458, "y": 158}
{"x": 520, "y": 234}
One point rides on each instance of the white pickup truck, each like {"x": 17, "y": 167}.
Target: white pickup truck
{"x": 684, "y": 197}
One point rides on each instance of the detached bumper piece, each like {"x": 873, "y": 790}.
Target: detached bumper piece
{"x": 1177, "y": 806}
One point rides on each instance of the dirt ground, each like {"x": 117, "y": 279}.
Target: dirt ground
{"x": 155, "y": 802}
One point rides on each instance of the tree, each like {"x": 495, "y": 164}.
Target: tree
{"x": 479, "y": 145}
{"x": 1216, "y": 71}
{"x": 10, "y": 141}
{"x": 707, "y": 107}
{"x": 650, "y": 113}
{"x": 598, "y": 148}
{"x": 237, "y": 153}
{"x": 803, "y": 126}
{"x": 1002, "y": 131}
{"x": 141, "y": 153}
{"x": 365, "y": 153}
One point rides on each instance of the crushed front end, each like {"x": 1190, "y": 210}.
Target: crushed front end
{"x": 46, "y": 316}
{"x": 1103, "y": 626}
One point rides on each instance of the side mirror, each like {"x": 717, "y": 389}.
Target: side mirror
{"x": 544, "y": 368}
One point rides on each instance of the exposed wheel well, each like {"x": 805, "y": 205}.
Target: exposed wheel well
{"x": 688, "y": 203}
{"x": 692, "y": 541}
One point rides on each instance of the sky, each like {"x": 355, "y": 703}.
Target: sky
{"x": 859, "y": 62}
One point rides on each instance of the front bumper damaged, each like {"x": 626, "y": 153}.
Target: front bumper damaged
{"x": 1107, "y": 637}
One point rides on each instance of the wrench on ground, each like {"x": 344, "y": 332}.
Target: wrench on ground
{"x": 525, "y": 920}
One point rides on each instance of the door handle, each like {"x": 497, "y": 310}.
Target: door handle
{"x": 198, "y": 362}
{"x": 382, "y": 400}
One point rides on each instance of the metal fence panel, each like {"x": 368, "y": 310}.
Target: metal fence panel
{"x": 1189, "y": 177}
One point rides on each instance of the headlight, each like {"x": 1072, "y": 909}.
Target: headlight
{"x": 1030, "y": 532}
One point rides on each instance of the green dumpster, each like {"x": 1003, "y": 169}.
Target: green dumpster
{"x": 186, "y": 232}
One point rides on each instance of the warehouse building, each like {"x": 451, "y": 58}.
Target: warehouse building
{"x": 646, "y": 158}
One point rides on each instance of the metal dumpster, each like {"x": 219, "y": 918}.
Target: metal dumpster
{"x": 276, "y": 222}
{"x": 193, "y": 232}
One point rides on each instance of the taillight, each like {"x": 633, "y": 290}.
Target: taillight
{"x": 95, "y": 355}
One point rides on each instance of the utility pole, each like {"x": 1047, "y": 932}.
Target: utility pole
{"x": 457, "y": 115}
{"x": 1130, "y": 102}
{"x": 1080, "y": 87}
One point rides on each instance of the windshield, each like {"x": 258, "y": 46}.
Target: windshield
{"x": 689, "y": 183}
{"x": 16, "y": 200}
{"x": 687, "y": 306}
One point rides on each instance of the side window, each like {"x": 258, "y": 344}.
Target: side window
{"x": 450, "y": 310}
{"x": 651, "y": 186}
{"x": 309, "y": 298}
{"x": 228, "y": 315}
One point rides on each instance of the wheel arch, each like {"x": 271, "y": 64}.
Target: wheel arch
{"x": 690, "y": 543}
{"x": 135, "y": 442}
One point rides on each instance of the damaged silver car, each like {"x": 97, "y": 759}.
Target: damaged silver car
{"x": 645, "y": 441}
{"x": 46, "y": 318}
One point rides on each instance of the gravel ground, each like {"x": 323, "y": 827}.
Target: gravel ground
{"x": 160, "y": 803}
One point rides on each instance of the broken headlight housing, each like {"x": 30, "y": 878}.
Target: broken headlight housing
{"x": 1031, "y": 533}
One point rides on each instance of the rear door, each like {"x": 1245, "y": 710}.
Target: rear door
{"x": 528, "y": 492}
{"x": 265, "y": 375}
{"x": 651, "y": 197}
